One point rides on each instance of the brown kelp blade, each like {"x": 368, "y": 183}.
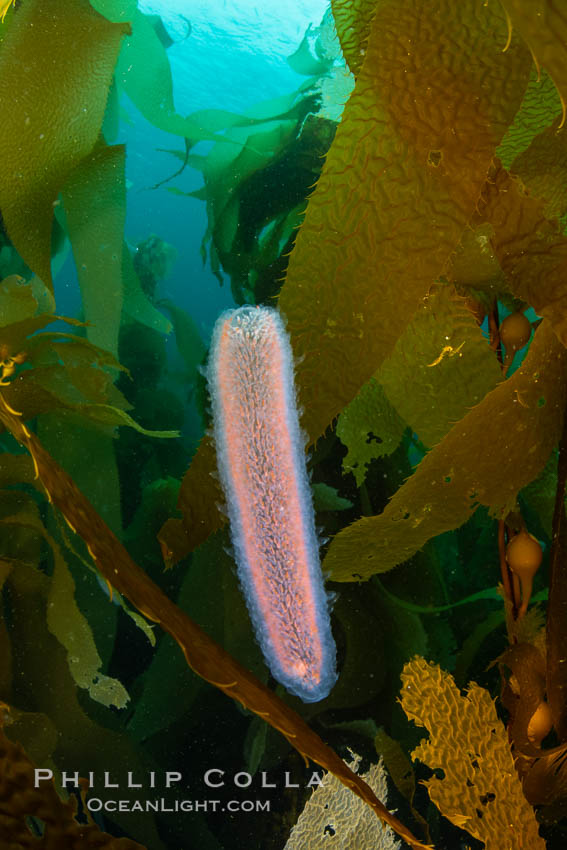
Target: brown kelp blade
{"x": 433, "y": 99}
{"x": 21, "y": 799}
{"x": 204, "y": 656}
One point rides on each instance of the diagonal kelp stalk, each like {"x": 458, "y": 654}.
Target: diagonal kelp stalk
{"x": 203, "y": 655}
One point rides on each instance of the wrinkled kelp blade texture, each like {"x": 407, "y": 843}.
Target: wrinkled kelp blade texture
{"x": 432, "y": 101}
{"x": 541, "y": 104}
{"x": 59, "y": 57}
{"x": 496, "y": 449}
{"x": 531, "y": 250}
{"x": 441, "y": 366}
{"x": 204, "y": 656}
{"x": 468, "y": 743}
{"x": 353, "y": 19}
{"x": 443, "y": 357}
{"x": 543, "y": 24}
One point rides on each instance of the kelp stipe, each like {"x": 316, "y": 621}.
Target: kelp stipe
{"x": 204, "y": 656}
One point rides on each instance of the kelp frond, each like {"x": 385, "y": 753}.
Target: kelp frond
{"x": 480, "y": 790}
{"x": 204, "y": 656}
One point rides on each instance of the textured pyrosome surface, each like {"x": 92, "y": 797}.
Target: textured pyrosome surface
{"x": 261, "y": 460}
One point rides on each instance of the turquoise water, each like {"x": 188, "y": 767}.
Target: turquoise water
{"x": 236, "y": 53}
{"x": 234, "y": 57}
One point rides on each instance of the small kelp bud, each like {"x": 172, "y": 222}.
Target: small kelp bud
{"x": 515, "y": 332}
{"x": 524, "y": 554}
{"x": 540, "y": 723}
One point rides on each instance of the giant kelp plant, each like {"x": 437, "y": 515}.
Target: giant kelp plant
{"x": 416, "y": 246}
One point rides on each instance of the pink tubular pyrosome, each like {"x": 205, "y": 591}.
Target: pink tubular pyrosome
{"x": 261, "y": 460}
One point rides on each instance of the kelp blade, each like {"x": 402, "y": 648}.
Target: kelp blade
{"x": 432, "y": 102}
{"x": 205, "y": 657}
{"x": 478, "y": 462}
{"x": 68, "y": 52}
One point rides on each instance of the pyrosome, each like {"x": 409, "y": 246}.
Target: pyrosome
{"x": 261, "y": 461}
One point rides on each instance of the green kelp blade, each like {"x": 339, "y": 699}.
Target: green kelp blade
{"x": 116, "y": 10}
{"x": 16, "y": 469}
{"x": 542, "y": 168}
{"x": 326, "y": 498}
{"x": 432, "y": 101}
{"x": 14, "y": 335}
{"x": 95, "y": 205}
{"x": 205, "y": 657}
{"x": 440, "y": 367}
{"x": 370, "y": 428}
{"x": 17, "y": 300}
{"x": 144, "y": 73}
{"x": 543, "y": 25}
{"x": 72, "y": 630}
{"x": 401, "y": 180}
{"x": 530, "y": 248}
{"x": 282, "y": 108}
{"x": 56, "y": 56}
{"x": 198, "y": 506}
{"x": 69, "y": 350}
{"x": 106, "y": 414}
{"x": 187, "y": 337}
{"x": 540, "y": 106}
{"x": 228, "y": 166}
{"x": 42, "y": 662}
{"x": 486, "y": 458}
{"x": 168, "y": 687}
{"x": 137, "y": 305}
{"x": 353, "y": 19}
{"x": 302, "y": 61}
{"x": 64, "y": 619}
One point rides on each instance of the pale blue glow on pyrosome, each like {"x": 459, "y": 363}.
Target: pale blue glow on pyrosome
{"x": 261, "y": 461}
